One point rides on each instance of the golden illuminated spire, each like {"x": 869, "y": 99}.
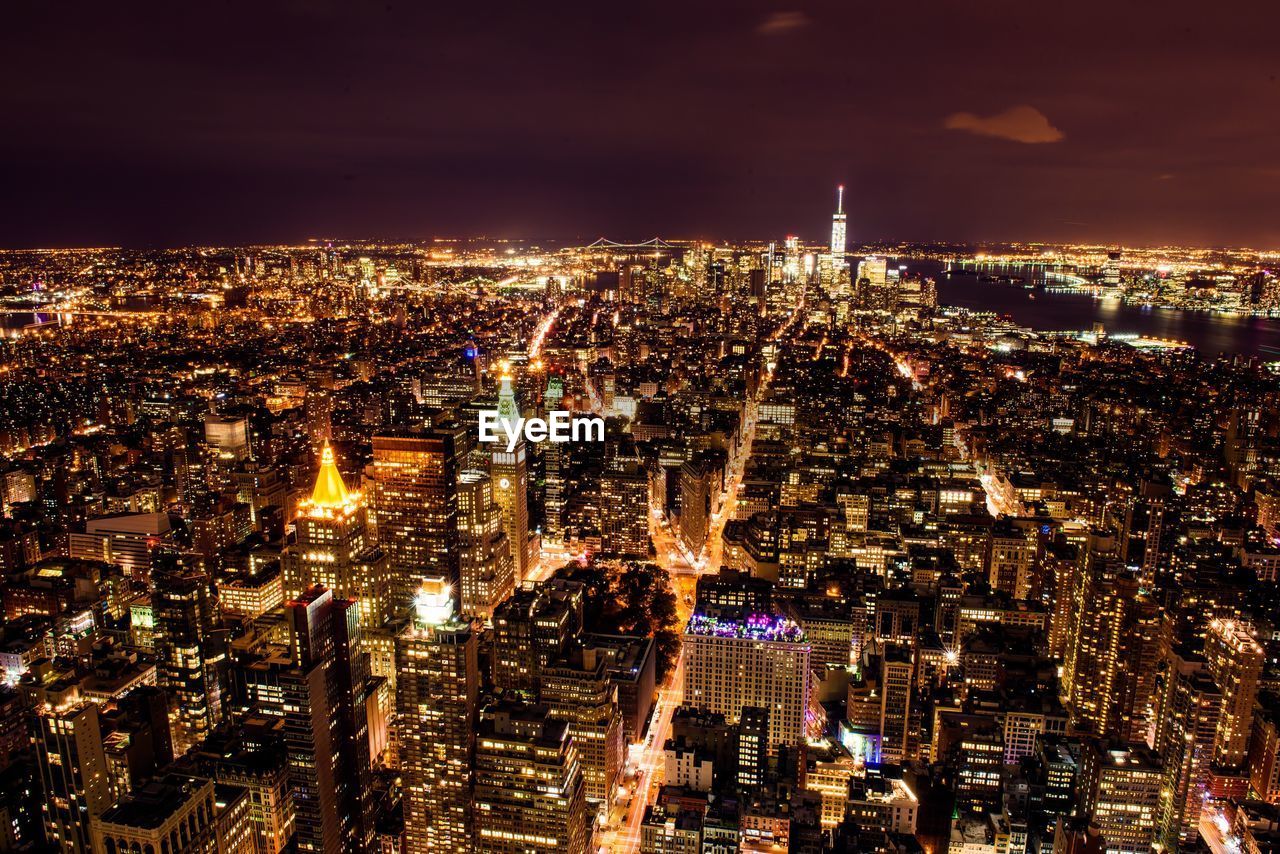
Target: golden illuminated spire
{"x": 330, "y": 491}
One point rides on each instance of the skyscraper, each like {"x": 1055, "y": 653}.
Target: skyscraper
{"x": 191, "y": 648}
{"x": 581, "y": 693}
{"x": 624, "y": 512}
{"x": 73, "y": 769}
{"x": 760, "y": 660}
{"x": 555, "y": 465}
{"x": 326, "y": 724}
{"x": 486, "y": 569}
{"x": 511, "y": 483}
{"x": 437, "y": 686}
{"x": 1185, "y": 734}
{"x": 1264, "y": 750}
{"x": 1235, "y": 662}
{"x": 1241, "y": 442}
{"x": 530, "y": 629}
{"x": 838, "y": 227}
{"x": 331, "y": 548}
{"x": 874, "y": 290}
{"x": 1112, "y": 649}
{"x": 528, "y": 784}
{"x": 1111, "y": 270}
{"x": 695, "y": 505}
{"x": 415, "y": 504}
{"x": 1011, "y": 559}
{"x": 897, "y": 667}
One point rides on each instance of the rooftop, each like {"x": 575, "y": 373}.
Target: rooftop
{"x": 761, "y": 627}
{"x": 329, "y": 491}
{"x": 153, "y": 804}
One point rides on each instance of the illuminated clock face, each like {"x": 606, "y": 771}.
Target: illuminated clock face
{"x": 504, "y": 483}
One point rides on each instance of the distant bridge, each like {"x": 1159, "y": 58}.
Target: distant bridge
{"x": 652, "y": 243}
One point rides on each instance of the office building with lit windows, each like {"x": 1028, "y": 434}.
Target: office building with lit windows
{"x": 438, "y": 679}
{"x": 191, "y": 647}
{"x": 331, "y": 547}
{"x": 415, "y": 505}
{"x": 1119, "y": 791}
{"x": 73, "y": 769}
{"x": 760, "y": 661}
{"x": 1235, "y": 661}
{"x": 897, "y": 667}
{"x": 1186, "y": 732}
{"x": 529, "y": 789}
{"x": 579, "y": 691}
{"x": 326, "y": 723}
{"x": 486, "y": 568}
{"x": 624, "y": 512}
{"x": 1112, "y": 649}
{"x": 530, "y": 630}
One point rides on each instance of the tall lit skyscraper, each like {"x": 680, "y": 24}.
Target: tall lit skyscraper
{"x": 695, "y": 504}
{"x": 73, "y": 769}
{"x": 1185, "y": 735}
{"x": 529, "y": 789}
{"x": 838, "y": 227}
{"x": 486, "y": 569}
{"x": 415, "y": 504}
{"x": 331, "y": 548}
{"x": 791, "y": 259}
{"x": 1113, "y": 647}
{"x": 530, "y": 630}
{"x": 581, "y": 693}
{"x": 1264, "y": 750}
{"x": 555, "y": 464}
{"x": 897, "y": 667}
{"x": 624, "y": 512}
{"x": 1235, "y": 661}
{"x": 437, "y": 686}
{"x": 833, "y": 267}
{"x": 191, "y": 648}
{"x": 327, "y": 728}
{"x": 511, "y": 483}
{"x": 1111, "y": 270}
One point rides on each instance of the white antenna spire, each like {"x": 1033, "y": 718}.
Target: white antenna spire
{"x": 840, "y": 199}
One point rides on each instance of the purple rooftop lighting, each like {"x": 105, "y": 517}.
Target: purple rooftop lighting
{"x": 762, "y": 627}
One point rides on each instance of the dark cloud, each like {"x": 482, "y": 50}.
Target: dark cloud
{"x": 1017, "y": 124}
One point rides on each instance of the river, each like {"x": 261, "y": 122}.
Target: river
{"x": 1055, "y": 310}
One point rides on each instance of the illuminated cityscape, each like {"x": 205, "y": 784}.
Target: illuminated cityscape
{"x": 373, "y": 480}
{"x": 851, "y": 570}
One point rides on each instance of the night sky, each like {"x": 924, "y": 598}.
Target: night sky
{"x": 158, "y": 124}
